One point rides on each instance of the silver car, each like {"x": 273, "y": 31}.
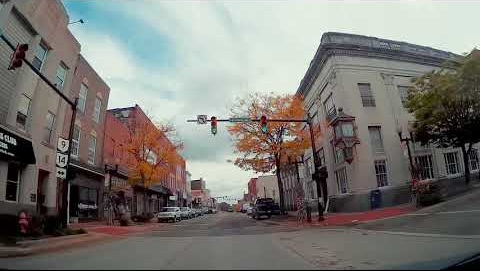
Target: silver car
{"x": 185, "y": 212}
{"x": 169, "y": 213}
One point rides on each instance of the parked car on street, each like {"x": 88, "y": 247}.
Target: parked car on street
{"x": 230, "y": 209}
{"x": 185, "y": 212}
{"x": 212, "y": 210}
{"x": 276, "y": 209}
{"x": 191, "y": 212}
{"x": 198, "y": 212}
{"x": 263, "y": 207}
{"x": 169, "y": 213}
{"x": 204, "y": 210}
{"x": 249, "y": 211}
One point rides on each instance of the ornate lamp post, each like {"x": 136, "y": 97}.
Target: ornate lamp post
{"x": 345, "y": 135}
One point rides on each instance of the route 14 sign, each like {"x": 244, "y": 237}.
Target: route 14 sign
{"x": 62, "y": 159}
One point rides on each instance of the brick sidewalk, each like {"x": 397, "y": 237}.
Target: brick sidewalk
{"x": 101, "y": 227}
{"x": 345, "y": 219}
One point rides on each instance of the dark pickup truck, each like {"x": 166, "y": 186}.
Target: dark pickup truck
{"x": 263, "y": 207}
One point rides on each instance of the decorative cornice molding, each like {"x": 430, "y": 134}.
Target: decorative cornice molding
{"x": 340, "y": 44}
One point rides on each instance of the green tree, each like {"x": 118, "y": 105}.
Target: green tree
{"x": 446, "y": 106}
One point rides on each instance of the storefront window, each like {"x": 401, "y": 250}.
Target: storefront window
{"x": 11, "y": 190}
{"x": 88, "y": 202}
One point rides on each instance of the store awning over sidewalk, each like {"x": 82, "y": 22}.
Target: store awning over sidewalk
{"x": 161, "y": 189}
{"x": 157, "y": 189}
{"x": 15, "y": 148}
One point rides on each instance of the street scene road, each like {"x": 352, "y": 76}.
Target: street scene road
{"x": 235, "y": 241}
{"x": 194, "y": 135}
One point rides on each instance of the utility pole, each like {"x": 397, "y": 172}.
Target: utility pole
{"x": 316, "y": 175}
{"x": 73, "y": 105}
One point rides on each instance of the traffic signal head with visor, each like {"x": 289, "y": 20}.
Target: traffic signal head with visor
{"x": 18, "y": 56}
{"x": 263, "y": 124}
{"x": 213, "y": 122}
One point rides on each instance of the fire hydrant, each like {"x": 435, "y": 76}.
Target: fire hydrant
{"x": 23, "y": 222}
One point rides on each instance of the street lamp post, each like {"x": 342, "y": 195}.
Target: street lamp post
{"x": 407, "y": 140}
{"x": 79, "y": 21}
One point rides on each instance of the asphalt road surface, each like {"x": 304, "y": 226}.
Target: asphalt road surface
{"x": 234, "y": 241}
{"x": 460, "y": 216}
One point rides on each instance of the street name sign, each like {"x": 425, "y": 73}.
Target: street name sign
{"x": 202, "y": 119}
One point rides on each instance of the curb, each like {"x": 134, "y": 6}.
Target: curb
{"x": 51, "y": 239}
{"x": 45, "y": 245}
{"x": 9, "y": 252}
{"x": 475, "y": 188}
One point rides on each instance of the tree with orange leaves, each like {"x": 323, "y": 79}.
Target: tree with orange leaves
{"x": 264, "y": 152}
{"x": 153, "y": 150}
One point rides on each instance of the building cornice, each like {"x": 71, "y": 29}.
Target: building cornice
{"x": 339, "y": 44}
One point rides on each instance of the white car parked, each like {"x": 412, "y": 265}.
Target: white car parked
{"x": 185, "y": 212}
{"x": 169, "y": 213}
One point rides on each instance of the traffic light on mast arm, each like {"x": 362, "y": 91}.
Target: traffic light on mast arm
{"x": 213, "y": 121}
{"x": 18, "y": 56}
{"x": 263, "y": 124}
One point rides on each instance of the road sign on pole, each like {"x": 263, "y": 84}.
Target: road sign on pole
{"x": 62, "y": 157}
{"x": 202, "y": 119}
{"x": 240, "y": 119}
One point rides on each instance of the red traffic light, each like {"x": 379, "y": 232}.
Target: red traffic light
{"x": 18, "y": 56}
{"x": 263, "y": 124}
{"x": 213, "y": 121}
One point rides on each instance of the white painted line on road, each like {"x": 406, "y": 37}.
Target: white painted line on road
{"x": 418, "y": 234}
{"x": 458, "y": 212}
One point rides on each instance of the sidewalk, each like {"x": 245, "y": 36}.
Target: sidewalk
{"x": 101, "y": 227}
{"x": 97, "y": 232}
{"x": 345, "y": 219}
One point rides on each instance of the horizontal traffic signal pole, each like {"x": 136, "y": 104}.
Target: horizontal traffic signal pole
{"x": 258, "y": 120}
{"x": 37, "y": 72}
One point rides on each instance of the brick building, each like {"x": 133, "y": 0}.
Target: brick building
{"x": 252, "y": 189}
{"x": 171, "y": 188}
{"x": 86, "y": 188}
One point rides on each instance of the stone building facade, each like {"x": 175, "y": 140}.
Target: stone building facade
{"x": 368, "y": 78}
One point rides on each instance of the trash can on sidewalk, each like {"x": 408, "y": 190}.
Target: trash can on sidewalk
{"x": 375, "y": 199}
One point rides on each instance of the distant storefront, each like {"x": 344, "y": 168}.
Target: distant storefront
{"x": 86, "y": 193}
{"x": 16, "y": 153}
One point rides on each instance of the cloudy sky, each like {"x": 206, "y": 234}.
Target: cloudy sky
{"x": 177, "y": 59}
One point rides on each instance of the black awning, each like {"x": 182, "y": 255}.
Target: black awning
{"x": 15, "y": 148}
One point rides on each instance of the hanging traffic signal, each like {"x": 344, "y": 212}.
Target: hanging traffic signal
{"x": 18, "y": 56}
{"x": 263, "y": 124}
{"x": 213, "y": 121}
